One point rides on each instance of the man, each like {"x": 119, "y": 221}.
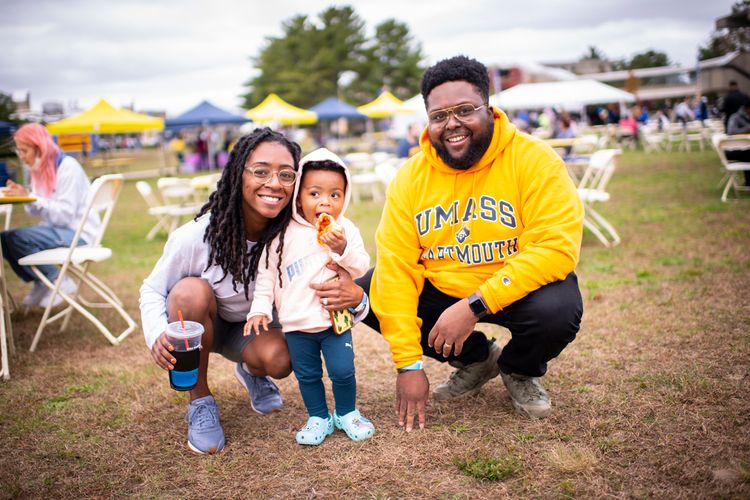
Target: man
{"x": 409, "y": 144}
{"x": 739, "y": 123}
{"x": 732, "y": 102}
{"x": 482, "y": 224}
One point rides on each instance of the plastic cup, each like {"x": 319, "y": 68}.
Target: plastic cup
{"x": 187, "y": 344}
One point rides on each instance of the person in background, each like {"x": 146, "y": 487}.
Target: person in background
{"x": 409, "y": 144}
{"x": 483, "y": 224}
{"x": 208, "y": 272}
{"x": 643, "y": 114}
{"x": 739, "y": 123}
{"x": 683, "y": 112}
{"x": 732, "y": 102}
{"x": 565, "y": 128}
{"x": 628, "y": 129}
{"x": 60, "y": 186}
{"x": 177, "y": 146}
{"x": 701, "y": 110}
{"x": 323, "y": 187}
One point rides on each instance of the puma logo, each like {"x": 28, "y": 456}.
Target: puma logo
{"x": 347, "y": 344}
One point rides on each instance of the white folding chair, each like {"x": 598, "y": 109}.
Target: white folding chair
{"x": 735, "y": 170}
{"x": 387, "y": 170}
{"x": 168, "y": 216}
{"x": 364, "y": 179}
{"x": 675, "y": 135}
{"x": 651, "y": 139}
{"x": 715, "y": 140}
{"x": 694, "y": 134}
{"x": 592, "y": 189}
{"x": 74, "y": 261}
{"x": 7, "y": 212}
{"x": 176, "y": 190}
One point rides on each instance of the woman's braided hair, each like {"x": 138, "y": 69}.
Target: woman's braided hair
{"x": 225, "y": 234}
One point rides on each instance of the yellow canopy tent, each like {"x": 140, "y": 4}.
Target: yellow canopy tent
{"x": 103, "y": 118}
{"x": 383, "y": 106}
{"x": 274, "y": 109}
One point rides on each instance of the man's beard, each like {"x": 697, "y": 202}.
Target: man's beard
{"x": 477, "y": 148}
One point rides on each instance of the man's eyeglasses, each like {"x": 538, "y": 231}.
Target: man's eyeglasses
{"x": 262, "y": 174}
{"x": 462, "y": 112}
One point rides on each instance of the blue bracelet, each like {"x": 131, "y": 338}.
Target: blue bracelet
{"x": 361, "y": 306}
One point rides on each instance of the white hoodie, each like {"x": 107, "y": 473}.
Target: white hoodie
{"x": 303, "y": 261}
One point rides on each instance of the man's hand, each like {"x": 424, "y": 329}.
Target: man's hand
{"x": 412, "y": 391}
{"x": 161, "y": 351}
{"x": 452, "y": 329}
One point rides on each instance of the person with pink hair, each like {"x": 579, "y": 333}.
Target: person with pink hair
{"x": 60, "y": 186}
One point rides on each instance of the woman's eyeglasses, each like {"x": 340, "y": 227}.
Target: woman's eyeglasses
{"x": 462, "y": 112}
{"x": 262, "y": 174}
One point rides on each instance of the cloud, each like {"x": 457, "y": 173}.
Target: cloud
{"x": 169, "y": 54}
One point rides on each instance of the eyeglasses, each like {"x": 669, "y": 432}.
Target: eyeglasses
{"x": 462, "y": 112}
{"x": 262, "y": 174}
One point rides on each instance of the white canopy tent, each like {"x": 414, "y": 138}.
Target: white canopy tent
{"x": 570, "y": 95}
{"x": 415, "y": 114}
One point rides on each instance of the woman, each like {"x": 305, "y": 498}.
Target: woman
{"x": 208, "y": 270}
{"x": 60, "y": 186}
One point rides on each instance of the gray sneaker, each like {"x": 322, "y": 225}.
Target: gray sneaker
{"x": 38, "y": 291}
{"x": 469, "y": 379}
{"x": 527, "y": 394}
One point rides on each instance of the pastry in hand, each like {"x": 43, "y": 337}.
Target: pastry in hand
{"x": 325, "y": 224}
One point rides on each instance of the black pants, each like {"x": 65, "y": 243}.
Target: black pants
{"x": 740, "y": 155}
{"x": 541, "y": 325}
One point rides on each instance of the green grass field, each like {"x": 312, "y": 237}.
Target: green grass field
{"x": 649, "y": 401}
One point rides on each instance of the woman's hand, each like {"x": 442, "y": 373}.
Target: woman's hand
{"x": 13, "y": 189}
{"x": 338, "y": 294}
{"x": 161, "y": 351}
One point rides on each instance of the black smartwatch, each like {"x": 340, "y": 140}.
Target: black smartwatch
{"x": 478, "y": 306}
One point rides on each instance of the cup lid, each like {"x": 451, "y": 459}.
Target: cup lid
{"x": 192, "y": 329}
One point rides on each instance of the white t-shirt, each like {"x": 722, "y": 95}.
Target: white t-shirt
{"x": 186, "y": 254}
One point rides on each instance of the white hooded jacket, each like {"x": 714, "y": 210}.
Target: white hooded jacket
{"x": 303, "y": 261}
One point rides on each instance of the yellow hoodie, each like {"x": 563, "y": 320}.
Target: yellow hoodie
{"x": 507, "y": 226}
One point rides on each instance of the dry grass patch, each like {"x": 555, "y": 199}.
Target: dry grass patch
{"x": 570, "y": 458}
{"x": 649, "y": 401}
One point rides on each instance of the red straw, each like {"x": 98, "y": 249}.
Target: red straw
{"x": 182, "y": 323}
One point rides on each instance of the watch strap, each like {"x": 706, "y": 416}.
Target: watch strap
{"x": 417, "y": 365}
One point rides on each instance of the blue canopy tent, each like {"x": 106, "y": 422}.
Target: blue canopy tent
{"x": 334, "y": 116}
{"x": 204, "y": 113}
{"x": 6, "y": 128}
{"x": 333, "y": 109}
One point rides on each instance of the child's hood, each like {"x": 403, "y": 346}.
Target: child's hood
{"x": 320, "y": 154}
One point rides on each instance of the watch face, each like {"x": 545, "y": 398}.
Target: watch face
{"x": 477, "y": 306}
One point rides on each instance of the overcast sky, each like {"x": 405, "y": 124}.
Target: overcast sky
{"x": 170, "y": 55}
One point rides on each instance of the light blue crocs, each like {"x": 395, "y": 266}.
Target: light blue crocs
{"x": 315, "y": 430}
{"x": 357, "y": 427}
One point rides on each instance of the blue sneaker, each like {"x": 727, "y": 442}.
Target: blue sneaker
{"x": 315, "y": 430}
{"x": 357, "y": 427}
{"x": 205, "y": 434}
{"x": 265, "y": 397}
